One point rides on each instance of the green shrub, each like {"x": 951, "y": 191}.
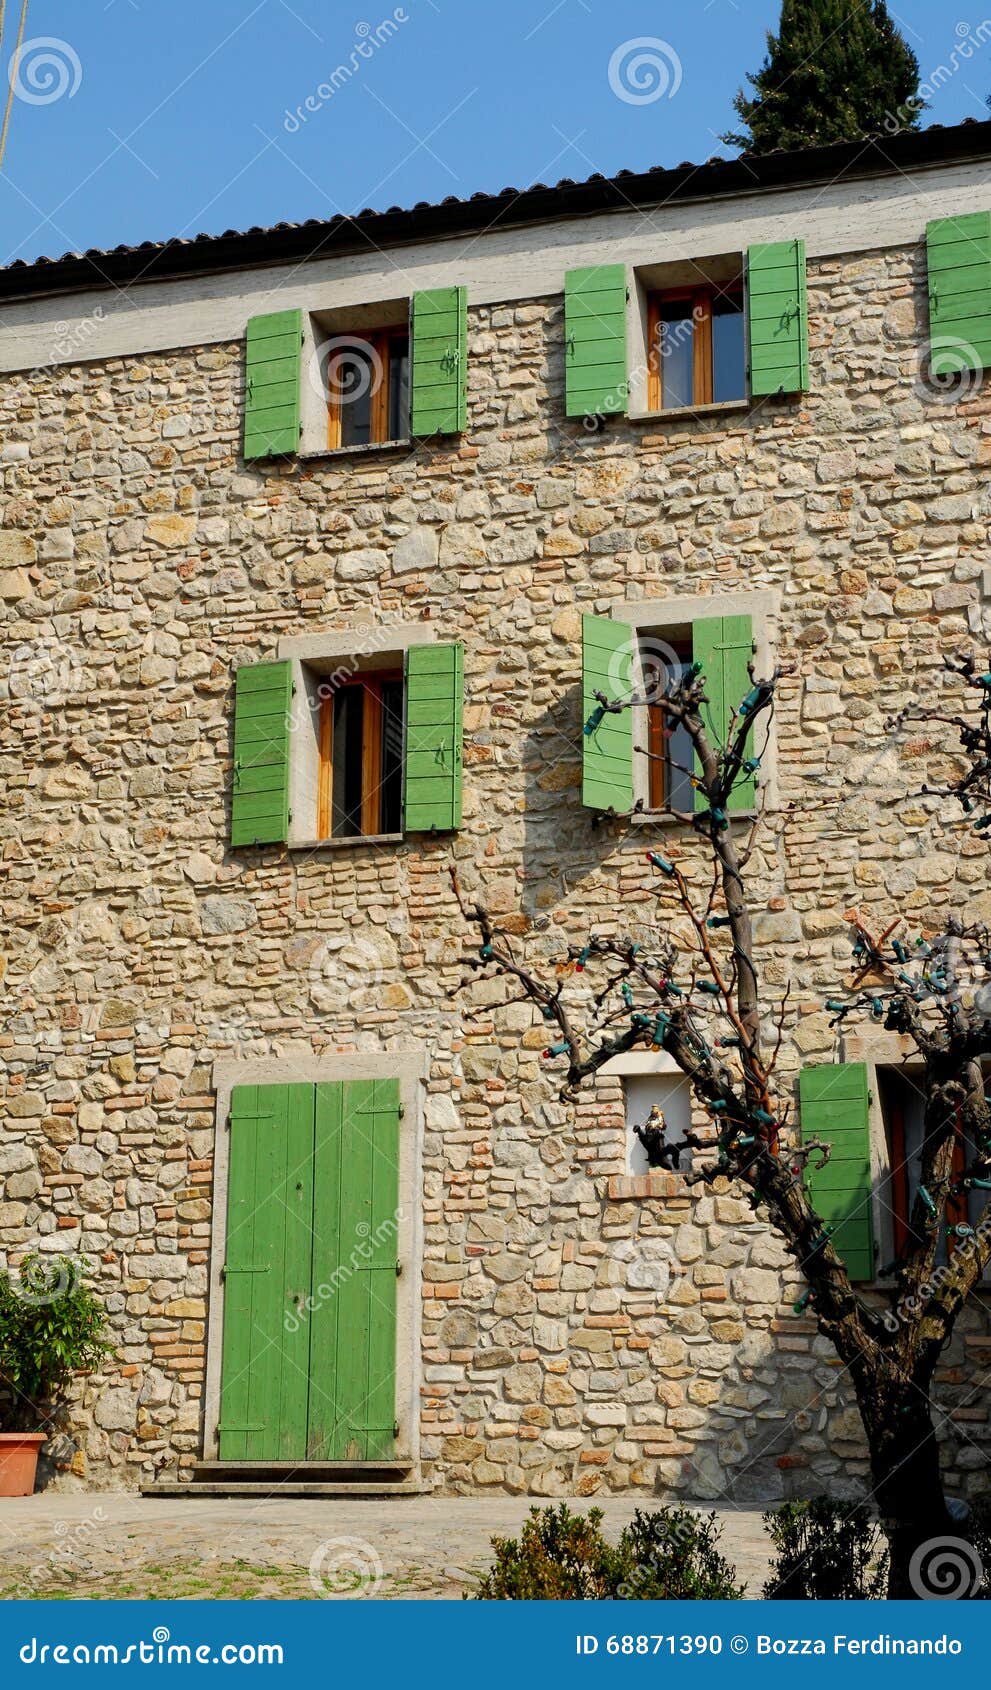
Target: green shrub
{"x": 51, "y": 1327}
{"x": 563, "y": 1557}
{"x": 826, "y": 1552}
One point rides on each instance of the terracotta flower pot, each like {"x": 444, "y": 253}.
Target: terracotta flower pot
{"x": 19, "y": 1461}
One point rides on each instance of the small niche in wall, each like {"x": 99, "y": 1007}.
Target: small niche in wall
{"x": 670, "y": 1092}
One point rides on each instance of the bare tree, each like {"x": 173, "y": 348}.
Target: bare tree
{"x": 701, "y": 1000}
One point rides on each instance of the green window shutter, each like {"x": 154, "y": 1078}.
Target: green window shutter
{"x": 272, "y": 371}
{"x": 778, "y": 318}
{"x": 434, "y": 738}
{"x": 352, "y": 1395}
{"x": 723, "y": 645}
{"x": 262, "y": 725}
{"x": 836, "y": 1108}
{"x": 959, "y": 253}
{"x": 263, "y": 1402}
{"x": 607, "y": 740}
{"x": 439, "y": 362}
{"x": 595, "y": 341}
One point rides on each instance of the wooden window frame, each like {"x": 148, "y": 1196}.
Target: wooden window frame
{"x": 371, "y": 754}
{"x": 380, "y": 343}
{"x": 699, "y": 301}
{"x": 658, "y": 772}
{"x": 901, "y": 1200}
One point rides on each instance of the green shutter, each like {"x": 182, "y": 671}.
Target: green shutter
{"x": 595, "y": 341}
{"x": 959, "y": 251}
{"x": 434, "y": 735}
{"x": 777, "y": 318}
{"x": 263, "y": 1403}
{"x": 836, "y": 1108}
{"x": 262, "y": 725}
{"x": 607, "y": 740}
{"x": 352, "y": 1395}
{"x": 439, "y": 362}
{"x": 723, "y": 645}
{"x": 273, "y": 364}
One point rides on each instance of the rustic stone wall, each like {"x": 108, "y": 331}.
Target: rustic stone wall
{"x": 141, "y": 562}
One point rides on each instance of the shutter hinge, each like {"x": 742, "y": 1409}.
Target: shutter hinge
{"x": 399, "y": 1269}
{"x": 402, "y": 1111}
{"x": 395, "y": 1428}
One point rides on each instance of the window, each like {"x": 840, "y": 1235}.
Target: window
{"x": 670, "y": 754}
{"x": 696, "y": 347}
{"x": 360, "y": 784}
{"x": 672, "y": 1094}
{"x": 902, "y": 1106}
{"x": 368, "y": 388}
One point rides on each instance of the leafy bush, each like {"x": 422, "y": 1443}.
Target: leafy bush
{"x": 826, "y": 1552}
{"x": 563, "y": 1557}
{"x": 51, "y": 1327}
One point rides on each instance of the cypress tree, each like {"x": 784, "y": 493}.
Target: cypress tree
{"x": 837, "y": 70}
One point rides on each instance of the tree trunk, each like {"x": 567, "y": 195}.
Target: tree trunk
{"x": 908, "y": 1486}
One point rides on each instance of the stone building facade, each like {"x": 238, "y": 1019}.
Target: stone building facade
{"x": 566, "y": 1323}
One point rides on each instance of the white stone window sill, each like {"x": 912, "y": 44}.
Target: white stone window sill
{"x": 724, "y": 407}
{"x": 374, "y": 449}
{"x": 344, "y": 844}
{"x": 667, "y": 818}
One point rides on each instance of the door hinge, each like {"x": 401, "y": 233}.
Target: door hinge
{"x": 399, "y": 1269}
{"x": 402, "y": 1111}
{"x": 395, "y": 1428}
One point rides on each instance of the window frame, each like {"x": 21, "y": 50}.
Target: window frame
{"x": 700, "y": 297}
{"x": 371, "y": 682}
{"x": 667, "y": 619}
{"x": 658, "y": 747}
{"x": 381, "y": 343}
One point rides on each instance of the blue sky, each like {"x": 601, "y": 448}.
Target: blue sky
{"x": 182, "y": 117}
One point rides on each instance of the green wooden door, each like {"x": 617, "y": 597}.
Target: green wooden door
{"x": 352, "y": 1401}
{"x": 309, "y": 1342}
{"x": 267, "y": 1274}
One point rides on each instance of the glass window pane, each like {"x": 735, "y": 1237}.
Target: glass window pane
{"x": 677, "y": 354}
{"x": 680, "y": 759}
{"x": 391, "y": 810}
{"x": 729, "y": 376}
{"x": 351, "y": 377}
{"x": 348, "y": 723}
{"x": 399, "y": 389}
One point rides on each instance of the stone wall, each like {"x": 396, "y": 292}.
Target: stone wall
{"x": 141, "y": 562}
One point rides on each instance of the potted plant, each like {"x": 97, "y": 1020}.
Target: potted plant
{"x": 51, "y": 1328}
